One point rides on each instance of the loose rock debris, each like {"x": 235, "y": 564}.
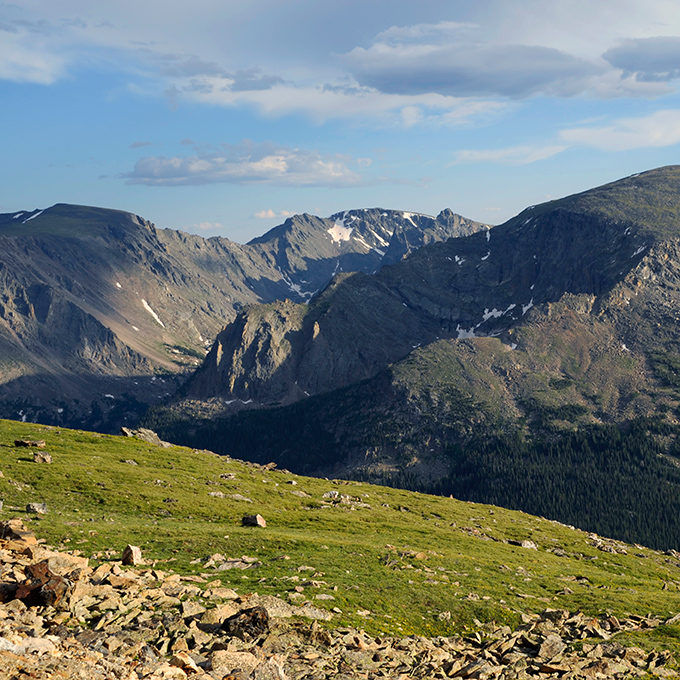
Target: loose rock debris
{"x": 60, "y": 619}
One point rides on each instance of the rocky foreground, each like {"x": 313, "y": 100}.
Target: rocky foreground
{"x": 62, "y": 619}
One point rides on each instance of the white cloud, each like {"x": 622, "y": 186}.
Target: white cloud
{"x": 516, "y": 155}
{"x": 25, "y": 60}
{"x": 244, "y": 163}
{"x": 205, "y": 226}
{"x": 655, "y": 130}
{"x": 328, "y": 102}
{"x": 270, "y": 214}
{"x": 659, "y": 129}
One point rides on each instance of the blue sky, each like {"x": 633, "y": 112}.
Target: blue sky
{"x": 222, "y": 118}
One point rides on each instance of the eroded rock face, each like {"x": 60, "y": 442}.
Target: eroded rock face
{"x": 138, "y": 624}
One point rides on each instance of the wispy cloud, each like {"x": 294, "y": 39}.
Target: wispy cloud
{"x": 140, "y": 145}
{"x": 24, "y": 59}
{"x": 245, "y": 163}
{"x": 205, "y": 227}
{"x": 658, "y": 129}
{"x": 330, "y": 102}
{"x": 516, "y": 155}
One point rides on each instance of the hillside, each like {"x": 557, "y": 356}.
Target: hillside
{"x": 533, "y": 366}
{"x": 362, "y": 561}
{"x": 101, "y": 314}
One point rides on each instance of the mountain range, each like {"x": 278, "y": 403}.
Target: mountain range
{"x": 533, "y": 365}
{"x": 103, "y": 315}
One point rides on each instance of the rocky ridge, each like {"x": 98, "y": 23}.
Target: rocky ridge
{"x": 143, "y": 622}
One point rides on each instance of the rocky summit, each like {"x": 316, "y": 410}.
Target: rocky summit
{"x": 102, "y": 314}
{"x": 61, "y": 617}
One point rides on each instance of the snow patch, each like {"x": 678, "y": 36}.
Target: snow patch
{"x": 118, "y": 285}
{"x": 486, "y": 257}
{"x": 32, "y": 217}
{"x": 18, "y": 215}
{"x": 153, "y": 314}
{"x": 513, "y": 345}
{"x": 109, "y": 396}
{"x": 488, "y": 235}
{"x": 624, "y": 348}
{"x": 60, "y": 410}
{"x": 340, "y": 231}
{"x": 135, "y": 328}
{"x": 380, "y": 252}
{"x": 638, "y": 251}
{"x": 379, "y": 238}
{"x": 408, "y": 216}
{"x": 495, "y": 313}
{"x": 527, "y": 307}
{"x": 459, "y": 260}
{"x": 463, "y": 334}
{"x": 250, "y": 401}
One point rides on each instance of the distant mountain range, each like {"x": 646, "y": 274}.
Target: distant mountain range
{"x": 102, "y": 314}
{"x": 534, "y": 365}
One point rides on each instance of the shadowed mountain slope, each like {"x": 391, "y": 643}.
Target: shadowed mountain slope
{"x": 100, "y": 312}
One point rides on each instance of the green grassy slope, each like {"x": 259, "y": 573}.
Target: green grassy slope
{"x": 404, "y": 557}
